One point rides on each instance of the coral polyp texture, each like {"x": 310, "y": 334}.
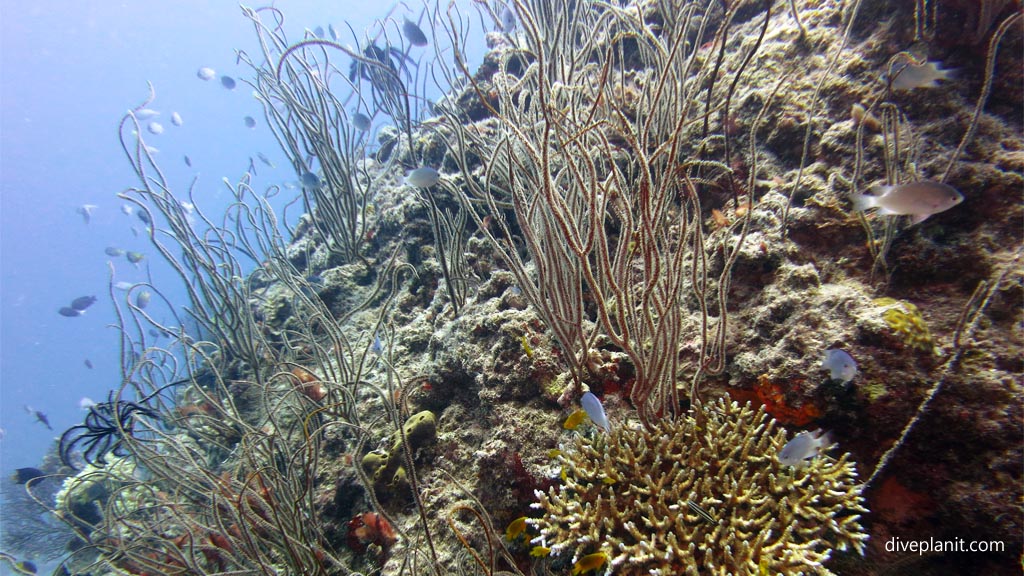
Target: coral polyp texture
{"x": 706, "y": 496}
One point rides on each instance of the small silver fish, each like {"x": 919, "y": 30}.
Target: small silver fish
{"x": 176, "y": 119}
{"x": 155, "y": 128}
{"x": 595, "y": 410}
{"x": 113, "y": 251}
{"x": 910, "y": 75}
{"x": 803, "y": 447}
{"x": 917, "y": 199}
{"x": 142, "y": 300}
{"x": 424, "y": 177}
{"x": 127, "y": 209}
{"x": 205, "y": 73}
{"x": 508, "y": 20}
{"x": 840, "y": 365}
{"x": 85, "y": 210}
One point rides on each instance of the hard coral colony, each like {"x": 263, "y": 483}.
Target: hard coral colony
{"x": 625, "y": 496}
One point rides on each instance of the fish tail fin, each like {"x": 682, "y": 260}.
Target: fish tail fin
{"x": 862, "y": 202}
{"x": 948, "y": 74}
{"x": 825, "y": 441}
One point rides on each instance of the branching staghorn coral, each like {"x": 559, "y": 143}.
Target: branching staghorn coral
{"x": 602, "y": 143}
{"x": 709, "y": 497}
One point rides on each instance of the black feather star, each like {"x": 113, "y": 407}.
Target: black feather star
{"x": 105, "y": 429}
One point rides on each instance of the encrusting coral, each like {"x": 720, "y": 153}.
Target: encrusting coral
{"x": 708, "y": 497}
{"x": 905, "y": 319}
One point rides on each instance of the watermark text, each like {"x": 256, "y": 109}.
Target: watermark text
{"x": 953, "y": 545}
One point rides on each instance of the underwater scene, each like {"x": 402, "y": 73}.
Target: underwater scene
{"x": 527, "y": 287}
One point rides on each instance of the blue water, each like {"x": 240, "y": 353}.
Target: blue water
{"x": 70, "y": 70}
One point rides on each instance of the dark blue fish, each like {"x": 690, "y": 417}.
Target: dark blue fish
{"x": 135, "y": 257}
{"x": 361, "y": 122}
{"x": 88, "y": 364}
{"x": 42, "y": 418}
{"x": 188, "y": 161}
{"x": 23, "y": 475}
{"x": 228, "y": 82}
{"x": 310, "y": 180}
{"x": 414, "y": 34}
{"x": 250, "y": 122}
{"x": 83, "y": 302}
{"x": 144, "y": 216}
{"x": 69, "y": 312}
{"x": 263, "y": 158}
{"x": 113, "y": 251}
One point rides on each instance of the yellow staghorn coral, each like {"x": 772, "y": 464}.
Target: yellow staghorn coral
{"x": 905, "y": 319}
{"x": 708, "y": 497}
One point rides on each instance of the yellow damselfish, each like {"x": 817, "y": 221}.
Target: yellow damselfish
{"x": 540, "y": 551}
{"x": 589, "y": 562}
{"x": 515, "y": 528}
{"x": 574, "y": 420}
